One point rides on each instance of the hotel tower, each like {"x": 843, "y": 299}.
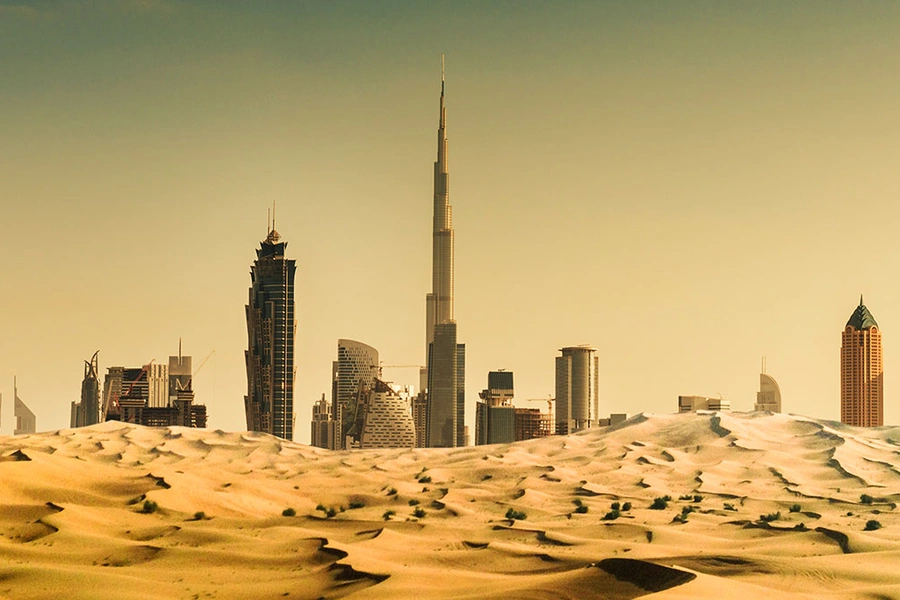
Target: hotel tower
{"x": 271, "y": 328}
{"x": 862, "y": 372}
{"x": 444, "y": 376}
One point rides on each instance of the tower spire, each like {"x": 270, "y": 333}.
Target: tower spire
{"x": 860, "y": 300}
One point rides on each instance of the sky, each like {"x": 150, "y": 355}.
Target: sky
{"x": 686, "y": 186}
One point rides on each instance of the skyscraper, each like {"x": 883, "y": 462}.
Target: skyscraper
{"x": 25, "y": 419}
{"x": 769, "y": 396}
{"x": 444, "y": 375}
{"x": 271, "y": 327}
{"x": 862, "y": 372}
{"x": 87, "y": 411}
{"x": 355, "y": 368}
{"x": 577, "y": 399}
{"x": 495, "y": 417}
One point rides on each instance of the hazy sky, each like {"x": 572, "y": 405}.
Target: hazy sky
{"x": 685, "y": 185}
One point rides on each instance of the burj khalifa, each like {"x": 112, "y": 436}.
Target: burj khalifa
{"x": 444, "y": 377}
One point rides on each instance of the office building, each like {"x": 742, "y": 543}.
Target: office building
{"x": 768, "y": 398}
{"x": 356, "y": 368}
{"x": 495, "y": 416}
{"x": 26, "y": 422}
{"x": 387, "y": 418}
{"x": 420, "y": 412}
{"x": 531, "y": 423}
{"x": 87, "y": 410}
{"x": 862, "y": 372}
{"x": 322, "y": 433}
{"x": 577, "y": 398}
{"x": 444, "y": 375}
{"x": 271, "y": 328}
{"x": 694, "y": 403}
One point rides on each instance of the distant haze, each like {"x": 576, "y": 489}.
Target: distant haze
{"x": 686, "y": 186}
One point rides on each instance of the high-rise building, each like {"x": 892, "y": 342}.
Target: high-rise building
{"x": 356, "y": 368}
{"x": 768, "y": 398}
{"x": 444, "y": 376}
{"x": 862, "y": 372}
{"x": 26, "y": 422}
{"x": 420, "y": 413}
{"x": 87, "y": 410}
{"x": 322, "y": 434}
{"x": 271, "y": 328}
{"x": 577, "y": 398}
{"x": 495, "y": 416}
{"x": 387, "y": 418}
{"x": 688, "y": 404}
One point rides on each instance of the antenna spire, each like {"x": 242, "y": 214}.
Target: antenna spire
{"x": 442, "y": 73}
{"x": 273, "y": 215}
{"x": 860, "y": 300}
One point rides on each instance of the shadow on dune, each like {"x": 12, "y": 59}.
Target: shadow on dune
{"x": 647, "y": 576}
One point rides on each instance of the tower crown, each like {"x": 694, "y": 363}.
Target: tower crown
{"x": 861, "y": 318}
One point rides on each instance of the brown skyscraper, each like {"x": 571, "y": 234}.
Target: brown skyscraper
{"x": 862, "y": 373}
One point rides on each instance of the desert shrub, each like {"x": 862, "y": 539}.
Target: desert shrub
{"x": 581, "y": 509}
{"x": 516, "y": 515}
{"x": 418, "y": 513}
{"x": 866, "y": 499}
{"x": 660, "y": 503}
{"x": 388, "y": 514}
{"x": 320, "y": 507}
{"x": 728, "y": 506}
{"x": 425, "y": 479}
{"x": 615, "y": 506}
{"x": 486, "y": 477}
{"x": 801, "y": 527}
{"x": 770, "y": 517}
{"x": 392, "y": 492}
{"x": 413, "y": 502}
{"x": 698, "y": 498}
{"x": 149, "y": 507}
{"x": 872, "y": 525}
{"x": 626, "y": 507}
{"x": 199, "y": 515}
{"x": 685, "y": 497}
{"x": 342, "y": 509}
{"x": 577, "y": 502}
{"x": 330, "y": 513}
{"x": 795, "y": 508}
{"x": 681, "y": 518}
{"x": 357, "y": 504}
{"x": 288, "y": 512}
{"x": 686, "y": 510}
{"x": 611, "y": 515}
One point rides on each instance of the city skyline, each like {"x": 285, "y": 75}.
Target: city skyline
{"x": 620, "y": 172}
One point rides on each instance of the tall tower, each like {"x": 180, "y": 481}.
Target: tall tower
{"x": 862, "y": 372}
{"x": 444, "y": 376}
{"x": 768, "y": 398}
{"x": 271, "y": 327}
{"x": 355, "y": 368}
{"x": 577, "y": 399}
{"x": 90, "y": 391}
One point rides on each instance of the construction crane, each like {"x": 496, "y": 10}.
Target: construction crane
{"x": 549, "y": 400}
{"x": 113, "y": 398}
{"x": 203, "y": 362}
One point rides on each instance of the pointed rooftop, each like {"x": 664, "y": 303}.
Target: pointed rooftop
{"x": 861, "y": 317}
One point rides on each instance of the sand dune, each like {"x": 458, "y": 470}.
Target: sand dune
{"x": 120, "y": 511}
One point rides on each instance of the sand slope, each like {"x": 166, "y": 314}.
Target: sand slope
{"x": 72, "y": 522}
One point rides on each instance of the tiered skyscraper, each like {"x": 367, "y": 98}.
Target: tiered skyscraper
{"x": 862, "y": 372}
{"x": 271, "y": 328}
{"x": 444, "y": 376}
{"x": 577, "y": 399}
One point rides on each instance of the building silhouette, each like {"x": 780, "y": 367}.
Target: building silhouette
{"x": 862, "y": 371}
{"x": 355, "y": 368}
{"x": 444, "y": 375}
{"x": 271, "y": 328}
{"x": 577, "y": 398}
{"x": 768, "y": 398}
{"x": 495, "y": 416}
{"x": 322, "y": 431}
{"x": 87, "y": 410}
{"x": 26, "y": 422}
{"x": 688, "y": 404}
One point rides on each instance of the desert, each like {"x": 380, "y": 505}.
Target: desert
{"x": 761, "y": 505}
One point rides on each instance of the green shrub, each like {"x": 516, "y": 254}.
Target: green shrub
{"x": 149, "y": 507}
{"x": 425, "y": 479}
{"x": 577, "y": 502}
{"x": 330, "y": 513}
{"x": 866, "y": 499}
{"x": 288, "y": 512}
{"x": 685, "y": 497}
{"x": 872, "y": 525}
{"x": 357, "y": 504}
{"x": 698, "y": 498}
{"x": 660, "y": 503}
{"x": 795, "y": 508}
{"x": 681, "y": 518}
{"x": 418, "y": 513}
{"x": 581, "y": 509}
{"x": 413, "y": 502}
{"x": 320, "y": 507}
{"x": 770, "y": 517}
{"x": 728, "y": 506}
{"x": 515, "y": 515}
{"x": 611, "y": 515}
{"x": 388, "y": 514}
{"x": 199, "y": 515}
{"x": 615, "y": 506}
{"x": 626, "y": 507}
{"x": 392, "y": 492}
{"x": 801, "y": 527}
{"x": 686, "y": 510}
{"x": 486, "y": 477}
